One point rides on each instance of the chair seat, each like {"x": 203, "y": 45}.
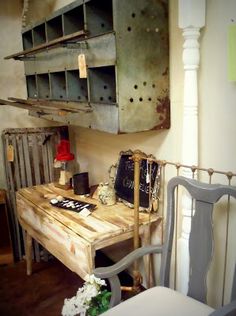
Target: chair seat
{"x": 160, "y": 301}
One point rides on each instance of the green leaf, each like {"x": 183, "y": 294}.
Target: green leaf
{"x": 106, "y": 299}
{"x": 99, "y": 304}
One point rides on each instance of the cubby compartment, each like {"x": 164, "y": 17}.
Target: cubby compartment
{"x": 73, "y": 20}
{"x": 43, "y": 86}
{"x": 99, "y": 16}
{"x": 58, "y": 85}
{"x": 76, "y": 86}
{"x": 39, "y": 34}
{"x": 31, "y": 86}
{"x": 102, "y": 84}
{"x": 122, "y": 93}
{"x": 27, "y": 40}
{"x": 54, "y": 28}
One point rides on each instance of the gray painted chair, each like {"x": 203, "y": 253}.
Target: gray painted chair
{"x": 160, "y": 300}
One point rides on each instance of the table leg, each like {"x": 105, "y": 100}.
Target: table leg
{"x": 91, "y": 257}
{"x": 28, "y": 253}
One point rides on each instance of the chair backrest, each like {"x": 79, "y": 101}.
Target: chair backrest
{"x": 201, "y": 235}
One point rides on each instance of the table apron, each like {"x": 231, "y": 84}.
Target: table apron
{"x": 72, "y": 250}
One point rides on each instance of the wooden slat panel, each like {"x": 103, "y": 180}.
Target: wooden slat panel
{"x": 8, "y": 164}
{"x": 50, "y": 145}
{"x": 15, "y": 226}
{"x": 21, "y": 161}
{"x": 36, "y": 251}
{"x": 27, "y": 160}
{"x": 37, "y": 180}
{"x": 16, "y": 163}
{"x": 35, "y": 156}
{"x": 45, "y": 158}
{"x": 30, "y": 155}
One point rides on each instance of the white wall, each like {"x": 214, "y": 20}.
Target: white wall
{"x": 217, "y": 111}
{"x": 217, "y": 127}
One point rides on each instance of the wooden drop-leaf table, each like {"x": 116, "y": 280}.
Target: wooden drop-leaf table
{"x": 70, "y": 237}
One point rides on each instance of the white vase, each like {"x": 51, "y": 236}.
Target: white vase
{"x": 106, "y": 194}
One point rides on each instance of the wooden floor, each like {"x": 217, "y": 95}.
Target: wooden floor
{"x": 42, "y": 293}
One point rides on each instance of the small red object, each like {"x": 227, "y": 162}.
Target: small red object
{"x": 63, "y": 151}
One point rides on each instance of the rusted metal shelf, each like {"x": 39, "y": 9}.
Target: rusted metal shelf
{"x": 102, "y": 60}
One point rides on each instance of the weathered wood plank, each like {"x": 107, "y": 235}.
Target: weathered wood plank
{"x": 63, "y": 243}
{"x": 50, "y": 146}
{"x": 19, "y": 173}
{"x": 45, "y": 160}
{"x": 31, "y": 107}
{"x": 35, "y": 156}
{"x": 28, "y": 250}
{"x": 108, "y": 241}
{"x": 10, "y": 180}
{"x": 45, "y": 104}
{"x": 27, "y": 160}
{"x": 21, "y": 161}
{"x": 16, "y": 163}
{"x": 50, "y": 44}
{"x": 102, "y": 224}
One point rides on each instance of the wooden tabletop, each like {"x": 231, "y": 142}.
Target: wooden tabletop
{"x": 104, "y": 223}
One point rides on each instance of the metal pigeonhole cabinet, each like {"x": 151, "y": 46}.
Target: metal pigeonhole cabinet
{"x": 125, "y": 52}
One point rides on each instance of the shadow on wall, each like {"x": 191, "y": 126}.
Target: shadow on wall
{"x": 96, "y": 151}
{"x": 37, "y": 10}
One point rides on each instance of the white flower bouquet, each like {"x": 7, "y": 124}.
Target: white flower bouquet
{"x": 90, "y": 300}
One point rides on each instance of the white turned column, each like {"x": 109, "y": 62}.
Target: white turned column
{"x": 191, "y": 20}
{"x": 190, "y": 113}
